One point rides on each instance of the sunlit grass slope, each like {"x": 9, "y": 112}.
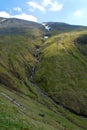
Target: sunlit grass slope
{"x": 62, "y": 72}
{"x": 15, "y": 68}
{"x": 13, "y": 117}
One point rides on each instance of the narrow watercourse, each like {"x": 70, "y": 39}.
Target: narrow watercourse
{"x": 36, "y": 52}
{"x": 36, "y": 58}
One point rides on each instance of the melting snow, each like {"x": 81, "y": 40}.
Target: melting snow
{"x": 2, "y": 20}
{"x": 45, "y": 37}
{"x": 46, "y": 27}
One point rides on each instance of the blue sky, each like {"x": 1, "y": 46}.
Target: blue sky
{"x": 68, "y": 11}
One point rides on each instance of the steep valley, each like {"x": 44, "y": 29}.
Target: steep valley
{"x": 43, "y": 76}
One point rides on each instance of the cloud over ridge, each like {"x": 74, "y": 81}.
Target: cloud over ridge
{"x": 20, "y": 16}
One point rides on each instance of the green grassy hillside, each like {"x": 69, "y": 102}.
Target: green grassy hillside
{"x": 16, "y": 51}
{"x": 23, "y": 105}
{"x": 62, "y": 72}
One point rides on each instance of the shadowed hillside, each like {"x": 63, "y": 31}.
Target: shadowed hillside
{"x": 58, "y": 27}
{"x": 17, "y": 26}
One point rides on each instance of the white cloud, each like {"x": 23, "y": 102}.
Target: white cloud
{"x": 18, "y": 9}
{"x": 46, "y": 4}
{"x": 4, "y": 14}
{"x": 20, "y": 16}
{"x": 78, "y": 13}
{"x": 55, "y": 6}
{"x": 52, "y": 5}
{"x": 35, "y": 5}
{"x": 25, "y": 17}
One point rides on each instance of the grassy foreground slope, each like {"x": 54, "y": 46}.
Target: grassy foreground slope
{"x": 21, "y": 112}
{"x": 62, "y": 72}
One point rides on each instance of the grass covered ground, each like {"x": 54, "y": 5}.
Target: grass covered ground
{"x": 28, "y": 117}
{"x": 62, "y": 72}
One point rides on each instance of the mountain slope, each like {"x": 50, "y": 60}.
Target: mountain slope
{"x": 62, "y": 72}
{"x": 20, "y": 27}
{"x": 23, "y": 105}
{"x": 58, "y": 27}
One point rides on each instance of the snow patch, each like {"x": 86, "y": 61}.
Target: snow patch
{"x": 45, "y": 37}
{"x": 2, "y": 20}
{"x": 46, "y": 27}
